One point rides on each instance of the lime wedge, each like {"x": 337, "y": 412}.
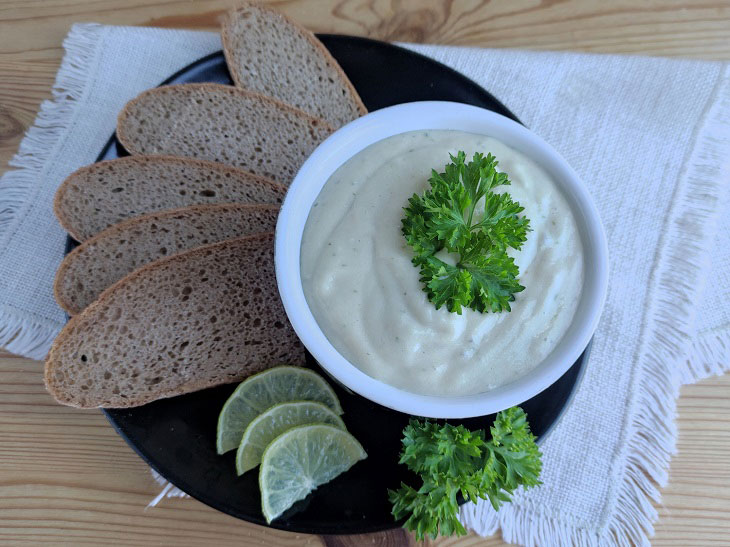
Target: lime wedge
{"x": 279, "y": 418}
{"x": 301, "y": 459}
{"x": 261, "y": 391}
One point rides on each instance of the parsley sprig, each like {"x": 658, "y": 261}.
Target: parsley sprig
{"x": 452, "y": 460}
{"x": 485, "y": 277}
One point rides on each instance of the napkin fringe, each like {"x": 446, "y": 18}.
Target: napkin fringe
{"x": 709, "y": 181}
{"x": 23, "y": 336}
{"x": 17, "y": 333}
{"x": 710, "y": 356}
{"x": 168, "y": 490}
{"x": 651, "y": 431}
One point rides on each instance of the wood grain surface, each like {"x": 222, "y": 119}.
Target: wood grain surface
{"x": 66, "y": 478}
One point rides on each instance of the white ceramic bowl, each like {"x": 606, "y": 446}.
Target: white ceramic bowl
{"x": 349, "y": 140}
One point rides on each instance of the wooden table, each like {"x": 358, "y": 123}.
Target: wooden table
{"x": 66, "y": 477}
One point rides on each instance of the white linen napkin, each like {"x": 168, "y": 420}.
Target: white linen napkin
{"x": 651, "y": 140}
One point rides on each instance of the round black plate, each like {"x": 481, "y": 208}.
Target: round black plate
{"x": 177, "y": 436}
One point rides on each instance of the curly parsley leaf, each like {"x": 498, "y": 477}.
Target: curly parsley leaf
{"x": 493, "y": 281}
{"x": 453, "y": 460}
{"x": 445, "y": 284}
{"x": 485, "y": 277}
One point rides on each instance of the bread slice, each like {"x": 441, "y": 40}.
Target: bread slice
{"x": 268, "y": 53}
{"x": 221, "y": 123}
{"x": 105, "y": 193}
{"x": 107, "y": 257}
{"x": 207, "y": 316}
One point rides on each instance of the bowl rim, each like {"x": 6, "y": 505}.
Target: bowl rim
{"x": 434, "y": 115}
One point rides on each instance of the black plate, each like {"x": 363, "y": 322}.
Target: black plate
{"x": 177, "y": 436}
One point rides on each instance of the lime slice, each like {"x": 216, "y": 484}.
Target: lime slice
{"x": 262, "y": 391}
{"x": 272, "y": 423}
{"x": 300, "y": 460}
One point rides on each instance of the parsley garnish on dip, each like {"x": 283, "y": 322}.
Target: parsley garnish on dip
{"x": 462, "y": 215}
{"x": 367, "y": 296}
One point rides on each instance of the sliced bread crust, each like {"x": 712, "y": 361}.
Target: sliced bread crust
{"x": 108, "y": 256}
{"x": 207, "y": 316}
{"x": 271, "y": 54}
{"x": 105, "y": 193}
{"x": 221, "y": 123}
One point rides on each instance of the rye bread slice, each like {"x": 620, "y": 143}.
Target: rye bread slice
{"x": 107, "y": 257}
{"x": 207, "y": 316}
{"x": 221, "y": 123}
{"x": 105, "y": 193}
{"x": 269, "y": 53}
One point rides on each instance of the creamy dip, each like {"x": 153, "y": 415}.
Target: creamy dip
{"x": 366, "y": 295}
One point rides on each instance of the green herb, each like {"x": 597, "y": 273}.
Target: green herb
{"x": 452, "y": 460}
{"x": 449, "y": 217}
